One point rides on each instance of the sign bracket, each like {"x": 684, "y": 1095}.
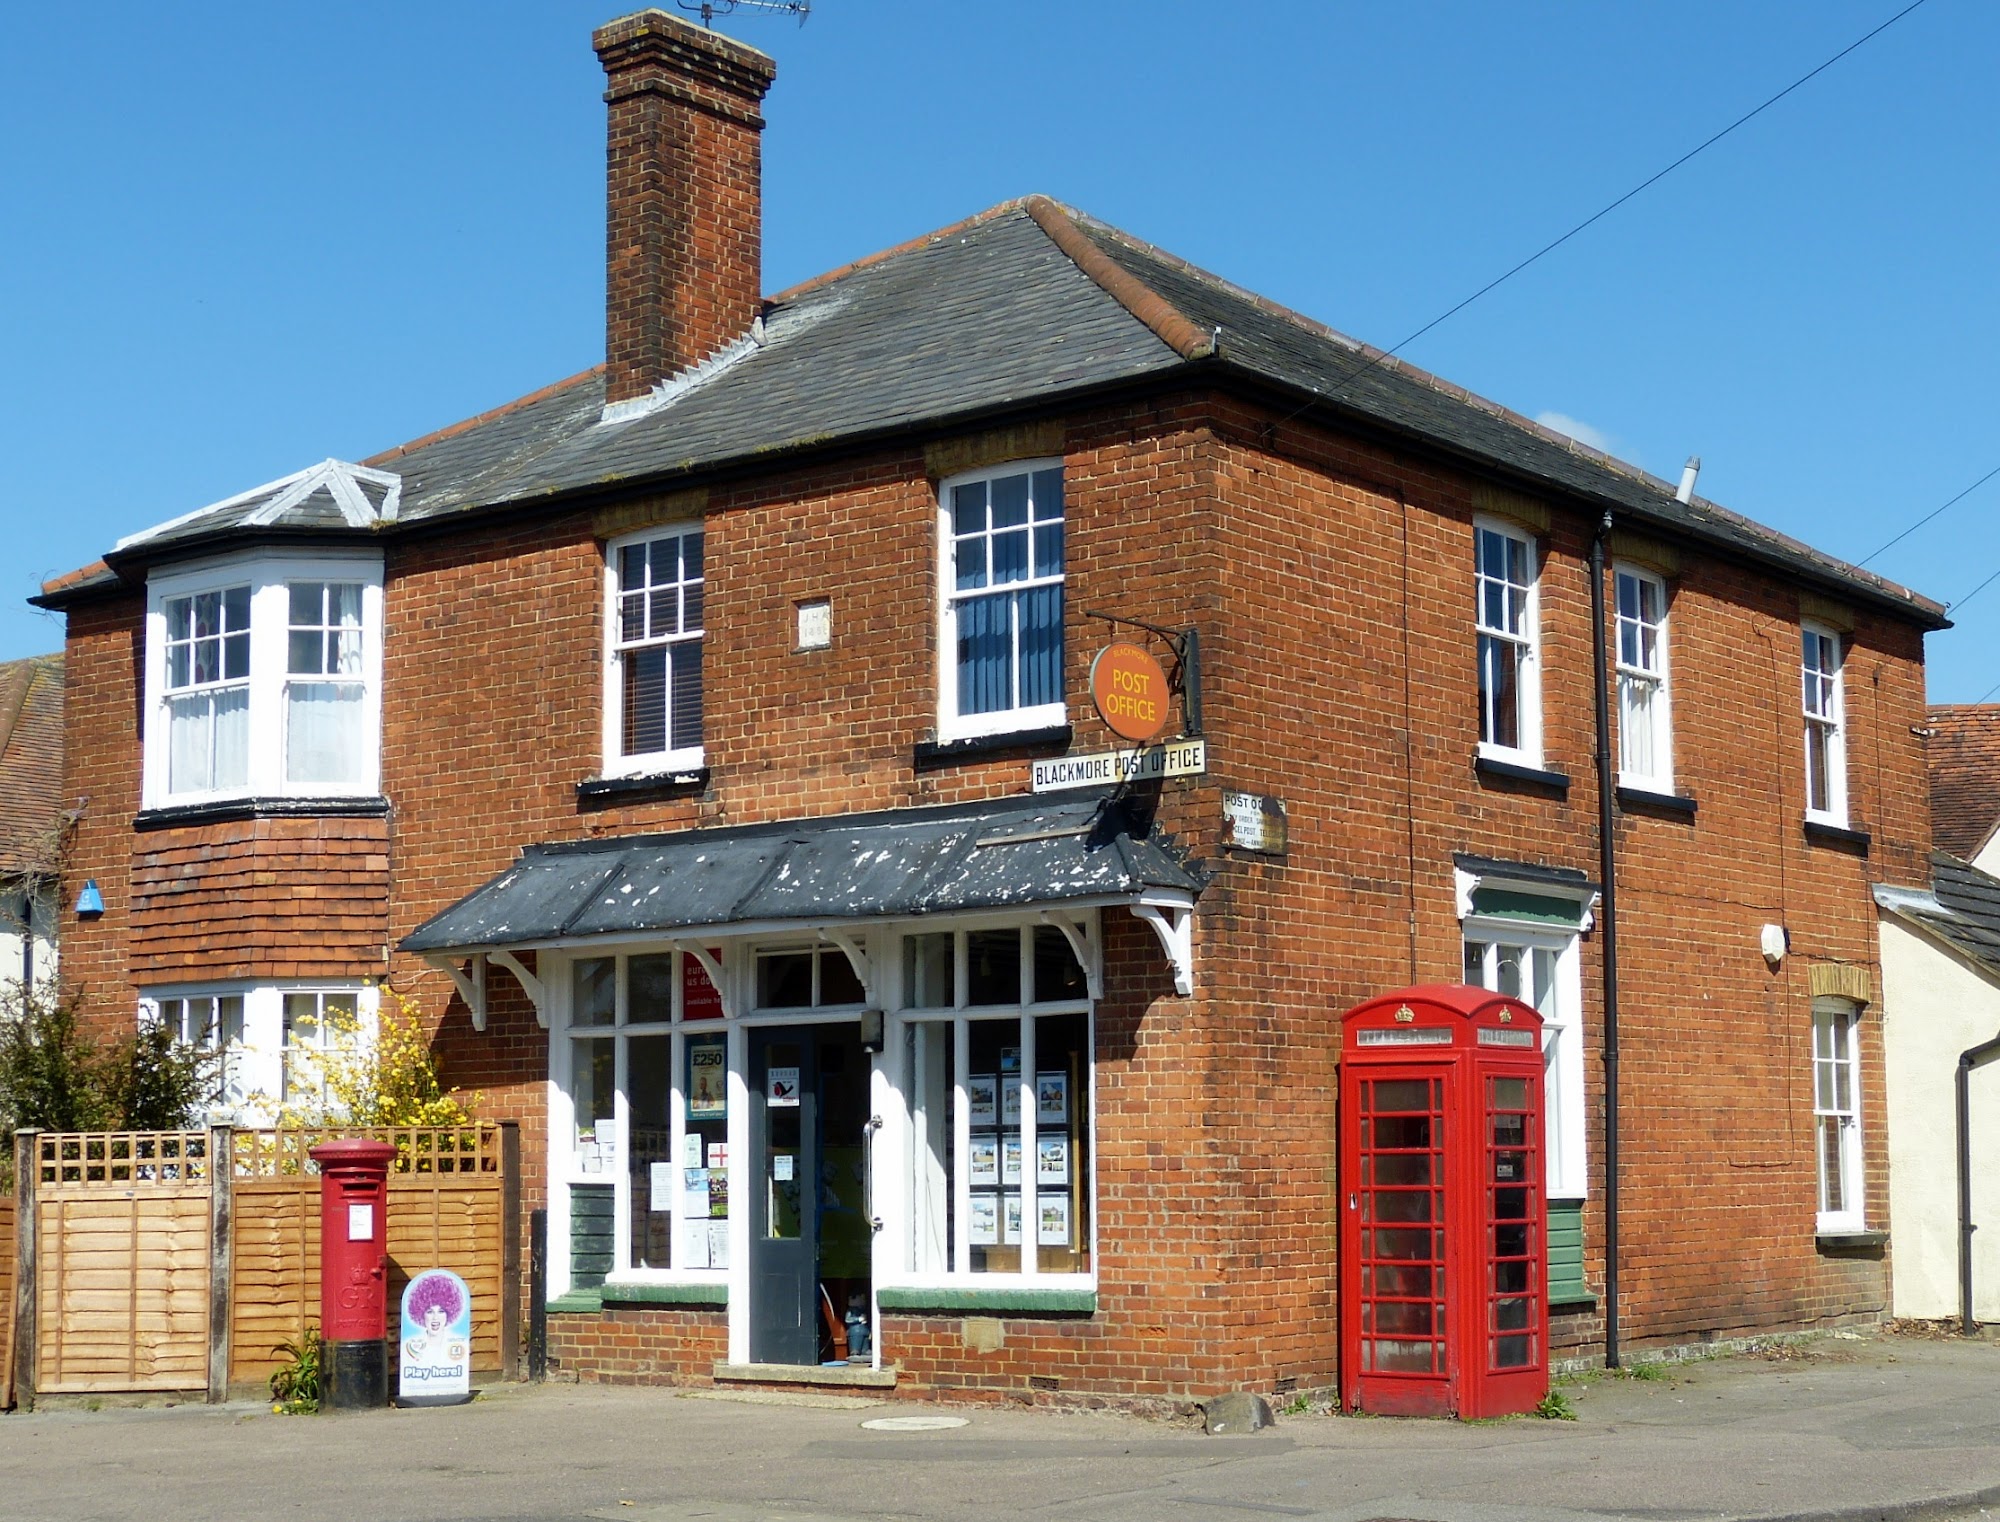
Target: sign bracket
{"x": 1185, "y": 678}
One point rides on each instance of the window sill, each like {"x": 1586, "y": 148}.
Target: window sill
{"x": 605, "y": 792}
{"x": 1491, "y": 769}
{"x": 1838, "y": 837}
{"x": 932, "y": 754}
{"x": 664, "y": 1294}
{"x": 1643, "y": 800}
{"x": 1851, "y": 1241}
{"x": 1032, "y": 1301}
{"x": 223, "y": 810}
{"x": 577, "y": 1300}
{"x": 1572, "y": 1300}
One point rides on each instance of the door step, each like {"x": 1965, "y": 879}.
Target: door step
{"x": 839, "y": 1376}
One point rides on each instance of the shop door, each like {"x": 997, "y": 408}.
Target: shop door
{"x": 809, "y": 1234}
{"x": 1396, "y": 1285}
{"x": 784, "y": 1205}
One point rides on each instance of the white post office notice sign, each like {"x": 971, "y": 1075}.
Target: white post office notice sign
{"x": 435, "y": 1365}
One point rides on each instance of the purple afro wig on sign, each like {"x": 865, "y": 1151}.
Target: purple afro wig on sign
{"x": 435, "y": 1290}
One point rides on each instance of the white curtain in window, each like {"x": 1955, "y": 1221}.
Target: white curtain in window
{"x": 1638, "y": 727}
{"x": 324, "y": 724}
{"x": 208, "y": 746}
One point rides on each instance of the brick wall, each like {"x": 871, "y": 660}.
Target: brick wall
{"x": 1331, "y": 582}
{"x": 639, "y": 1344}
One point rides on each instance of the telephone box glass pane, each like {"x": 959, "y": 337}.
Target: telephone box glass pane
{"x": 1513, "y": 1207}
{"x": 1402, "y": 1202}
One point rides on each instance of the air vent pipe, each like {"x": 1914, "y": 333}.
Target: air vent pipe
{"x": 1685, "y": 491}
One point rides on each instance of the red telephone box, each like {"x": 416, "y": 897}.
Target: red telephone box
{"x": 353, "y": 1272}
{"x": 1444, "y": 1219}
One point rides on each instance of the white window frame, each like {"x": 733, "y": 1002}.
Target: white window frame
{"x": 1526, "y": 640}
{"x": 616, "y": 649}
{"x": 256, "y": 1066}
{"x": 952, "y": 725}
{"x": 1636, "y": 673}
{"x": 269, "y": 577}
{"x": 897, "y": 1157}
{"x": 1836, "y": 1052}
{"x": 1565, "y": 1147}
{"x": 569, "y": 1166}
{"x": 1823, "y": 707}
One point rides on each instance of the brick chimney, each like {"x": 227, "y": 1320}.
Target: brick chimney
{"x": 684, "y": 222}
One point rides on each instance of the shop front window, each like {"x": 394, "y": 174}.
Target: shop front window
{"x": 647, "y": 1084}
{"x": 996, "y": 1053}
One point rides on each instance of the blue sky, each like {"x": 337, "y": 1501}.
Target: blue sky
{"x": 239, "y": 239}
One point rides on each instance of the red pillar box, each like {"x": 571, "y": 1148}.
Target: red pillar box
{"x": 1444, "y": 1220}
{"x": 353, "y": 1273}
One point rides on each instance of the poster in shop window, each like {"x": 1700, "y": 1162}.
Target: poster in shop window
{"x": 1010, "y": 1159}
{"x": 983, "y": 1155}
{"x": 1010, "y": 1099}
{"x": 979, "y": 1099}
{"x": 1010, "y": 1217}
{"x": 1052, "y": 1159}
{"x": 708, "y": 1080}
{"x": 1054, "y": 1211}
{"x": 985, "y": 1221}
{"x": 1051, "y": 1099}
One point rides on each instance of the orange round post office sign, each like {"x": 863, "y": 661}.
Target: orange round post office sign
{"x": 1129, "y": 688}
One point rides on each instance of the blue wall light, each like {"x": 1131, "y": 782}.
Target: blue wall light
{"x": 89, "y": 903}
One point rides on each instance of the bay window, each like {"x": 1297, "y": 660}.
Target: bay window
{"x": 263, "y": 676}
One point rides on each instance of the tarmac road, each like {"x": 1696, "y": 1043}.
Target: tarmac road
{"x": 1887, "y": 1427}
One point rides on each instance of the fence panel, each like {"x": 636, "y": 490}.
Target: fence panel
{"x": 445, "y": 1210}
{"x": 121, "y": 1280}
{"x": 126, "y": 1251}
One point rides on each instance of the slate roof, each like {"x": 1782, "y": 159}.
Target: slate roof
{"x": 901, "y": 864}
{"x": 1964, "y": 757}
{"x": 1962, "y": 909}
{"x": 31, "y": 757}
{"x": 1020, "y": 307}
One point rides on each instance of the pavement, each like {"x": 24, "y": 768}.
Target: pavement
{"x": 1838, "y": 1427}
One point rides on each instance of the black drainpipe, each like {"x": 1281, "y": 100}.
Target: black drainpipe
{"x": 1968, "y": 1059}
{"x": 1607, "y": 920}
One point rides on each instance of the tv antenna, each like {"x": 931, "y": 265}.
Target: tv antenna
{"x": 708, "y": 10}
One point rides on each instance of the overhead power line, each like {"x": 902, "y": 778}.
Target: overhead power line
{"x": 1995, "y": 471}
{"x": 1605, "y": 211}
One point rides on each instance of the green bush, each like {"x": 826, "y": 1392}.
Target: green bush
{"x": 57, "y": 1074}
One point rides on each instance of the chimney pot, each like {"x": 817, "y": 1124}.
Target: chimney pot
{"x": 684, "y": 193}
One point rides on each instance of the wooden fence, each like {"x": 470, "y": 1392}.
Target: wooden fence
{"x": 181, "y": 1261}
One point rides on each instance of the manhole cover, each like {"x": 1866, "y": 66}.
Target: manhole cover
{"x": 913, "y": 1423}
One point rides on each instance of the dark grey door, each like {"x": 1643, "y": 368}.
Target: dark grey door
{"x": 784, "y": 1198}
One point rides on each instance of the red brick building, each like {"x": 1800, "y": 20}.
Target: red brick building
{"x": 672, "y": 735}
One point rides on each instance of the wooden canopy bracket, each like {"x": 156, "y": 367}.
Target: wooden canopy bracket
{"x": 470, "y": 981}
{"x": 714, "y": 970}
{"x": 857, "y": 959}
{"x": 1083, "y": 942}
{"x": 532, "y": 986}
{"x": 1174, "y": 925}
